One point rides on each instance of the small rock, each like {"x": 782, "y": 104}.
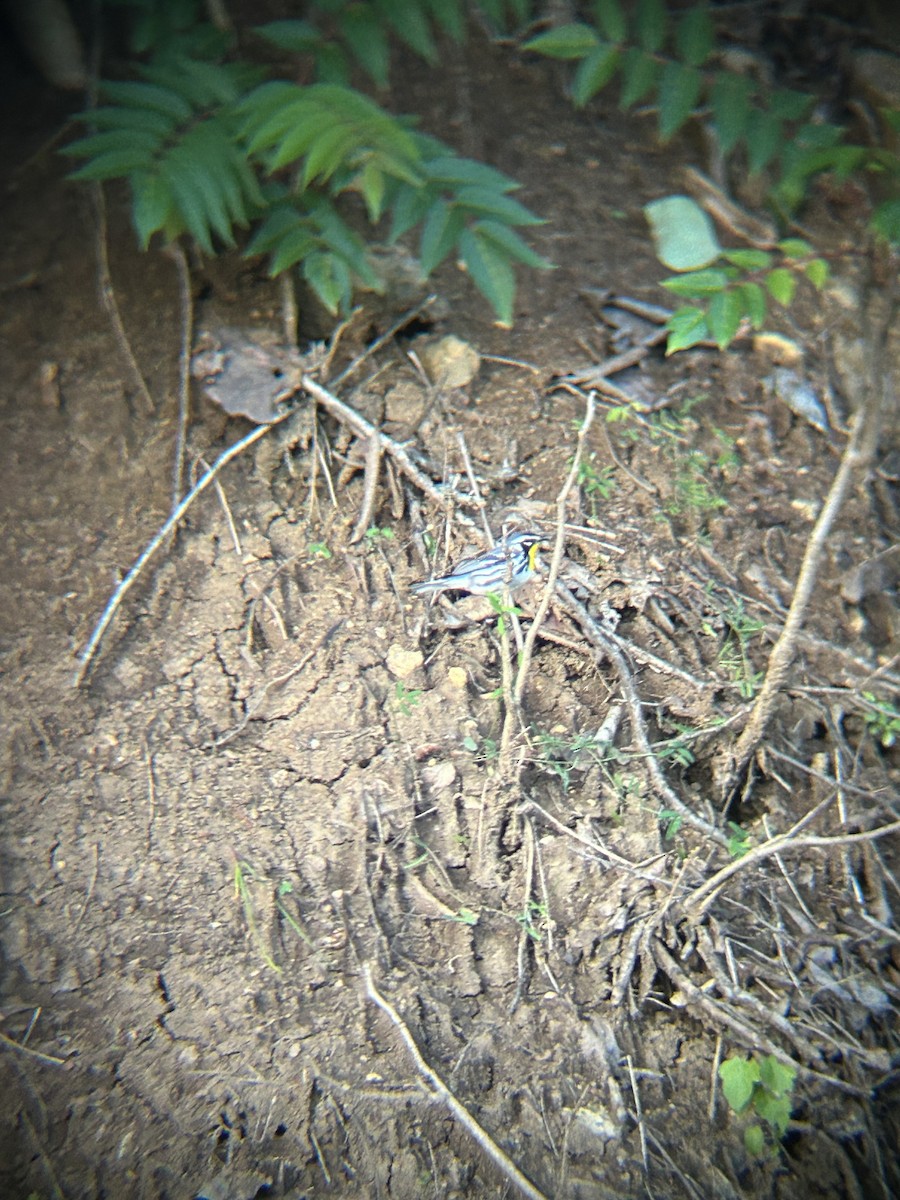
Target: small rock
{"x": 783, "y": 351}
{"x": 450, "y": 362}
{"x": 402, "y": 663}
{"x": 438, "y": 777}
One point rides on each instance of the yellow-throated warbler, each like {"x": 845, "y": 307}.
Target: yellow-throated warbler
{"x": 509, "y": 564}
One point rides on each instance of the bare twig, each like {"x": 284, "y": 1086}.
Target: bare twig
{"x": 855, "y": 459}
{"x": 440, "y": 1091}
{"x": 365, "y": 429}
{"x": 559, "y": 547}
{"x": 665, "y": 793}
{"x": 111, "y": 304}
{"x": 473, "y": 484}
{"x": 782, "y": 844}
{"x": 175, "y": 251}
{"x": 44, "y": 1058}
{"x": 387, "y": 336}
{"x": 370, "y": 489}
{"x": 157, "y": 540}
{"x": 639, "y": 1112}
{"x": 524, "y": 935}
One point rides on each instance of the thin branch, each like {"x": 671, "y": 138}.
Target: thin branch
{"x": 441, "y": 1092}
{"x": 856, "y": 458}
{"x": 559, "y": 547}
{"x": 175, "y": 251}
{"x": 665, "y": 793}
{"x": 111, "y": 304}
{"x": 387, "y": 336}
{"x": 44, "y": 1058}
{"x": 157, "y": 540}
{"x": 365, "y": 429}
{"x": 782, "y": 844}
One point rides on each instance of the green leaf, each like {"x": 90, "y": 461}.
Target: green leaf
{"x": 697, "y": 283}
{"x": 724, "y": 317}
{"x": 440, "y": 233}
{"x": 409, "y": 22}
{"x": 753, "y": 299}
{"x": 512, "y": 244}
{"x": 754, "y": 1141}
{"x": 611, "y": 20}
{"x": 777, "y": 1077}
{"x": 640, "y": 72}
{"x": 151, "y": 206}
{"x": 328, "y": 152}
{"x": 731, "y": 104}
{"x": 450, "y": 171}
{"x": 370, "y": 183}
{"x": 448, "y": 14}
{"x": 491, "y": 273}
{"x": 795, "y": 247}
{"x": 679, "y": 92}
{"x": 279, "y": 222}
{"x": 595, "y": 72}
{"x": 114, "y": 141}
{"x": 683, "y": 234}
{"x": 739, "y": 1077}
{"x": 365, "y": 35}
{"x": 568, "y": 41}
{"x": 493, "y": 204}
{"x": 764, "y": 137}
{"x": 651, "y": 22}
{"x": 687, "y": 327}
{"x": 145, "y": 120}
{"x": 782, "y": 285}
{"x": 295, "y": 246}
{"x": 695, "y": 36}
{"x": 329, "y": 277}
{"x": 790, "y": 105}
{"x": 114, "y": 164}
{"x": 886, "y": 221}
{"x": 300, "y": 37}
{"x": 189, "y": 201}
{"x": 749, "y": 260}
{"x": 774, "y": 1110}
{"x": 131, "y": 94}
{"x": 408, "y": 209}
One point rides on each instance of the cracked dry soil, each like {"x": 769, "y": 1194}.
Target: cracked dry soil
{"x": 261, "y": 790}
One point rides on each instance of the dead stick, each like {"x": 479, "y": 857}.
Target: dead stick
{"x": 111, "y": 304}
{"x": 559, "y": 547}
{"x": 157, "y": 540}
{"x": 856, "y": 457}
{"x": 175, "y": 251}
{"x": 701, "y": 899}
{"x": 365, "y": 429}
{"x": 440, "y": 1090}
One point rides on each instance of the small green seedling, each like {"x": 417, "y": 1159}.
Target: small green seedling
{"x": 319, "y": 550}
{"x": 529, "y": 918}
{"x": 406, "y": 698}
{"x": 486, "y": 749}
{"x": 597, "y": 483}
{"x": 374, "y": 534}
{"x": 503, "y": 608}
{"x": 882, "y": 720}
{"x": 739, "y": 841}
{"x": 761, "y": 1087}
{"x": 465, "y": 916}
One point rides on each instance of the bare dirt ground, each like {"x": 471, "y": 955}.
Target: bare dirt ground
{"x": 273, "y": 848}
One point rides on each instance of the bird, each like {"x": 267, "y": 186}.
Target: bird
{"x": 507, "y": 565}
